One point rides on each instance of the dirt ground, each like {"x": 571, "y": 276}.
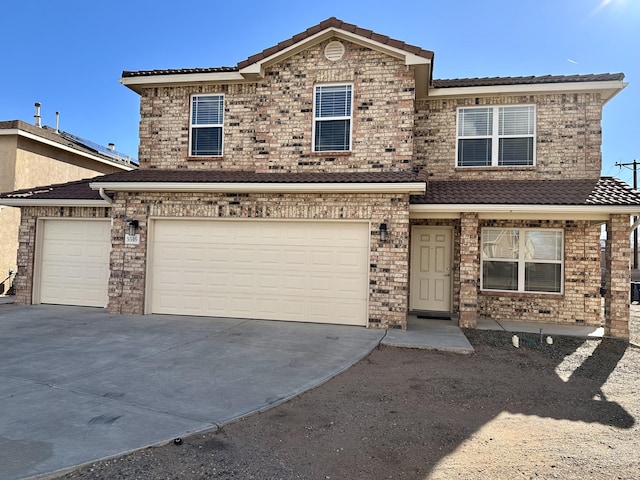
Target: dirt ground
{"x": 569, "y": 410}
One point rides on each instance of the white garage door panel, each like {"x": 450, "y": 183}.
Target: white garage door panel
{"x": 300, "y": 271}
{"x": 74, "y": 265}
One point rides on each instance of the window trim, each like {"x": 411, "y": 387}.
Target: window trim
{"x": 495, "y": 135}
{"x": 522, "y": 261}
{"x": 324, "y": 119}
{"x": 193, "y": 126}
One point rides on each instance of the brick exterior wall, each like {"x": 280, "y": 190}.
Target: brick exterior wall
{"x": 618, "y": 277}
{"x": 27, "y": 236}
{"x": 268, "y": 128}
{"x": 568, "y": 137}
{"x": 268, "y": 124}
{"x": 389, "y": 267}
{"x": 580, "y": 304}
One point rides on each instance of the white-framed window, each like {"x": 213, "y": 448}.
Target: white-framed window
{"x": 496, "y": 136}
{"x": 522, "y": 260}
{"x": 206, "y": 126}
{"x": 332, "y": 118}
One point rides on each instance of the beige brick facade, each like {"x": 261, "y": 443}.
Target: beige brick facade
{"x": 268, "y": 124}
{"x": 568, "y": 137}
{"x": 389, "y": 269}
{"x": 268, "y": 127}
{"x": 28, "y": 231}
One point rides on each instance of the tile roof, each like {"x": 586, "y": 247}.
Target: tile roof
{"x": 495, "y": 81}
{"x": 78, "y": 190}
{"x": 605, "y": 191}
{"x": 300, "y": 37}
{"x": 333, "y": 22}
{"x": 226, "y": 176}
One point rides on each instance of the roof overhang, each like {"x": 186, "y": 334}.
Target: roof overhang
{"x": 51, "y": 143}
{"x": 608, "y": 89}
{"x": 237, "y": 187}
{"x": 256, "y": 70}
{"x": 524, "y": 212}
{"x": 52, "y": 202}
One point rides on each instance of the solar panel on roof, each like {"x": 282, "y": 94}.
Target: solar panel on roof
{"x": 120, "y": 157}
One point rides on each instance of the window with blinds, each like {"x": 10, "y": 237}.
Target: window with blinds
{"x": 522, "y": 260}
{"x": 207, "y": 118}
{"x": 332, "y": 118}
{"x": 496, "y": 136}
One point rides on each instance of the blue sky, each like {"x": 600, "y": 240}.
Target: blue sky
{"x": 69, "y": 54}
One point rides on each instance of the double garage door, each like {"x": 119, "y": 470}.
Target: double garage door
{"x": 278, "y": 270}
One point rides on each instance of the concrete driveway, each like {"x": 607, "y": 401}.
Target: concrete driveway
{"x": 79, "y": 384}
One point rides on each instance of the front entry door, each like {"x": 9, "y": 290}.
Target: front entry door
{"x": 431, "y": 269}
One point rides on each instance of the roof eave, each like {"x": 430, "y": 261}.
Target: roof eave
{"x": 137, "y": 84}
{"x": 608, "y": 89}
{"x": 413, "y": 188}
{"x": 51, "y": 202}
{"x": 595, "y": 212}
{"x": 51, "y": 143}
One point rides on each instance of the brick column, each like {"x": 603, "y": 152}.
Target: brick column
{"x": 618, "y": 277}
{"x": 469, "y": 270}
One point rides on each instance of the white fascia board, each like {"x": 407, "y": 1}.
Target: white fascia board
{"x": 66, "y": 148}
{"x": 595, "y": 212}
{"x": 181, "y": 78}
{"x": 408, "y": 58}
{"x": 410, "y": 188}
{"x": 609, "y": 88}
{"x": 27, "y": 202}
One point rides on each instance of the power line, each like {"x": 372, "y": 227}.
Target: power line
{"x": 635, "y": 164}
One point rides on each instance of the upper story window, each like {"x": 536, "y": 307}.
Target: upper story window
{"x": 207, "y": 118}
{"x": 332, "y": 118}
{"x": 496, "y": 136}
{"x": 522, "y": 260}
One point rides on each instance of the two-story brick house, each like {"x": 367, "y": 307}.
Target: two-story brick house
{"x": 330, "y": 178}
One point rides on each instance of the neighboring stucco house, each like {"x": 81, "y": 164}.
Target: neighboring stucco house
{"x": 31, "y": 155}
{"x": 330, "y": 178}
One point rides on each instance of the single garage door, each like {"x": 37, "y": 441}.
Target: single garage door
{"x": 275, "y": 270}
{"x": 74, "y": 265}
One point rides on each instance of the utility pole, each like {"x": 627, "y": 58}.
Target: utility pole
{"x": 635, "y": 164}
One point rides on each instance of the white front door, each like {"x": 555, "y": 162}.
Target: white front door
{"x": 431, "y": 269}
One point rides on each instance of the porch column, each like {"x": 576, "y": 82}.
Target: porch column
{"x": 469, "y": 270}
{"x": 618, "y": 277}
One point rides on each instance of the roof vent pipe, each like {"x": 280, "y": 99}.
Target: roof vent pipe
{"x": 111, "y": 146}
{"x": 57, "y": 121}
{"x": 37, "y": 115}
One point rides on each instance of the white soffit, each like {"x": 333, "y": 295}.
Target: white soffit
{"x": 608, "y": 89}
{"x": 551, "y": 212}
{"x": 226, "y": 187}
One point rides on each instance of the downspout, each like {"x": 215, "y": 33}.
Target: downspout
{"x": 636, "y": 224}
{"x": 104, "y": 196}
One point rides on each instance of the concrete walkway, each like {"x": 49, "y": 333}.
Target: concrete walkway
{"x": 79, "y": 384}
{"x": 428, "y": 334}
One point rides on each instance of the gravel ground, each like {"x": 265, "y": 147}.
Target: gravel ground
{"x": 568, "y": 410}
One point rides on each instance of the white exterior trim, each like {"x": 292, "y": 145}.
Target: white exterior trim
{"x": 569, "y": 212}
{"x": 28, "y": 202}
{"x": 255, "y": 70}
{"x": 412, "y": 187}
{"x": 608, "y": 88}
{"x": 31, "y": 136}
